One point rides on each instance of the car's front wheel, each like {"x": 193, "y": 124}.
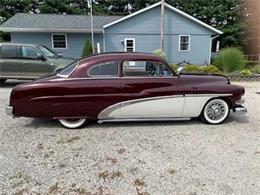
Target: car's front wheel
{"x": 215, "y": 112}
{"x": 72, "y": 123}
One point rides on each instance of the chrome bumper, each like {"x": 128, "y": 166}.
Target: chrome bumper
{"x": 240, "y": 110}
{"x": 9, "y": 110}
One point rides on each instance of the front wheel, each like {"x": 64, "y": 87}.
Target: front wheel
{"x": 215, "y": 112}
{"x": 72, "y": 123}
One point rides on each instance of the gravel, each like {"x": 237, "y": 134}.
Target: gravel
{"x": 39, "y": 156}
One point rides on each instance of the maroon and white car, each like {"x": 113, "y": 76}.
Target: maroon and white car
{"x": 126, "y": 87}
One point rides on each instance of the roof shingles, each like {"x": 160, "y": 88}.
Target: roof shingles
{"x": 54, "y": 21}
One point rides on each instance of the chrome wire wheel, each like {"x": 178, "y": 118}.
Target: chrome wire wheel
{"x": 216, "y": 111}
{"x": 72, "y": 123}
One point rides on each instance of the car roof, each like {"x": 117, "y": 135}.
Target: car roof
{"x": 18, "y": 44}
{"x": 120, "y": 56}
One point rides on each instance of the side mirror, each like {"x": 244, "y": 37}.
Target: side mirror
{"x": 41, "y": 57}
{"x": 179, "y": 70}
{"x": 59, "y": 54}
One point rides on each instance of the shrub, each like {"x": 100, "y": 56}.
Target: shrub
{"x": 174, "y": 66}
{"x": 246, "y": 72}
{"x": 211, "y": 69}
{"x": 87, "y": 50}
{"x": 250, "y": 63}
{"x": 160, "y": 53}
{"x": 203, "y": 69}
{"x": 256, "y": 69}
{"x": 230, "y": 59}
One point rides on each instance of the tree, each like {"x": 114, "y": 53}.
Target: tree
{"x": 221, "y": 14}
{"x": 87, "y": 50}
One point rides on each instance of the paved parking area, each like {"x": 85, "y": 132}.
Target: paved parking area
{"x": 188, "y": 158}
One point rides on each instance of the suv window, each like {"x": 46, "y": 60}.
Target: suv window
{"x": 9, "y": 51}
{"x": 146, "y": 69}
{"x": 104, "y": 69}
{"x": 29, "y": 52}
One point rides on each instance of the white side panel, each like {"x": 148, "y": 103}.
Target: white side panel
{"x": 161, "y": 108}
{"x": 194, "y": 105}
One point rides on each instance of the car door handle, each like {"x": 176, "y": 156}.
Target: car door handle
{"x": 195, "y": 88}
{"x": 109, "y": 90}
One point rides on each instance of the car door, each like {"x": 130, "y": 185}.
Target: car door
{"x": 150, "y": 90}
{"x": 10, "y": 66}
{"x": 33, "y": 62}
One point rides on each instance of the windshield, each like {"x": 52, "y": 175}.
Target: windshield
{"x": 65, "y": 72}
{"x": 48, "y": 52}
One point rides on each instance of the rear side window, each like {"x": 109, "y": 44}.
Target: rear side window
{"x": 104, "y": 69}
{"x": 9, "y": 51}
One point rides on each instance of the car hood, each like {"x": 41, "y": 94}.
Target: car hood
{"x": 204, "y": 78}
{"x": 61, "y": 61}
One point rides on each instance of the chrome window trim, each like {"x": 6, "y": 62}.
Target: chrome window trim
{"x": 67, "y": 76}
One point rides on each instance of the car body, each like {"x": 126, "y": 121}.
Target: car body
{"x": 126, "y": 87}
{"x": 28, "y": 61}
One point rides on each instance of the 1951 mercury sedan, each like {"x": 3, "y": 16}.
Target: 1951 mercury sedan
{"x": 126, "y": 87}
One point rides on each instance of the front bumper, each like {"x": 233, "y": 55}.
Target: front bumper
{"x": 240, "y": 110}
{"x": 9, "y": 110}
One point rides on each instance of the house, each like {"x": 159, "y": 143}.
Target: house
{"x": 186, "y": 38}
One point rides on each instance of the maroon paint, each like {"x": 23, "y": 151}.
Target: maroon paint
{"x": 80, "y": 96}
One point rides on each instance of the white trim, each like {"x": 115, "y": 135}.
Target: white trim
{"x": 170, "y": 7}
{"x": 104, "y": 41}
{"x": 63, "y": 30}
{"x": 210, "y": 49}
{"x": 129, "y": 39}
{"x": 180, "y": 43}
{"x": 66, "y": 40}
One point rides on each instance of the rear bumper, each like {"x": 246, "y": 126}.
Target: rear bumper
{"x": 240, "y": 110}
{"x": 9, "y": 110}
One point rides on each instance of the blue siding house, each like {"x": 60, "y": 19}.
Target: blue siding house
{"x": 185, "y": 37}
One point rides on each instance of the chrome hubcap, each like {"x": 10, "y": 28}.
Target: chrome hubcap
{"x": 216, "y": 111}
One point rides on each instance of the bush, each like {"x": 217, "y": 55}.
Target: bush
{"x": 230, "y": 59}
{"x": 174, "y": 66}
{"x": 87, "y": 50}
{"x": 160, "y": 53}
{"x": 246, "y": 72}
{"x": 197, "y": 68}
{"x": 256, "y": 69}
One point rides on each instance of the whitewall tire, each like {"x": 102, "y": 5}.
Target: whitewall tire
{"x": 215, "y": 112}
{"x": 72, "y": 123}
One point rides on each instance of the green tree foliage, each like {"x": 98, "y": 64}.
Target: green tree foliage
{"x": 87, "y": 50}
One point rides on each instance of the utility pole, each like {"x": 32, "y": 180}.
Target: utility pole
{"x": 92, "y": 28}
{"x": 162, "y": 25}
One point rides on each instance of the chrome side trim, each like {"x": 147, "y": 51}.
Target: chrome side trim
{"x": 9, "y": 110}
{"x": 208, "y": 95}
{"x": 105, "y": 113}
{"x": 141, "y": 119}
{"x": 240, "y": 110}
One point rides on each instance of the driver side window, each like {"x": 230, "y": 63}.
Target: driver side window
{"x": 29, "y": 53}
{"x": 145, "y": 69}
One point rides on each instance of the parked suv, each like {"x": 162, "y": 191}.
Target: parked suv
{"x": 28, "y": 61}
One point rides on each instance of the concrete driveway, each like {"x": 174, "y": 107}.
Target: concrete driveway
{"x": 39, "y": 156}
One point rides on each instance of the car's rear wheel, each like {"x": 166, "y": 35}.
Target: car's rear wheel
{"x": 215, "y": 112}
{"x": 72, "y": 123}
{"x": 2, "y": 80}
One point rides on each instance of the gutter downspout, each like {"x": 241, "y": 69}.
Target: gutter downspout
{"x": 210, "y": 53}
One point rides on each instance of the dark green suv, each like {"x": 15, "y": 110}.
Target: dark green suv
{"x": 28, "y": 61}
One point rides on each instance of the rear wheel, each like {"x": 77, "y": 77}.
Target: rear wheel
{"x": 72, "y": 123}
{"x": 215, "y": 112}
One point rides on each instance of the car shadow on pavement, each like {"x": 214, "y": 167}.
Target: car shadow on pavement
{"x": 45, "y": 123}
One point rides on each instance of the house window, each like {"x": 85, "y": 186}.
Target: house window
{"x": 184, "y": 43}
{"x": 59, "y": 41}
{"x": 129, "y": 44}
